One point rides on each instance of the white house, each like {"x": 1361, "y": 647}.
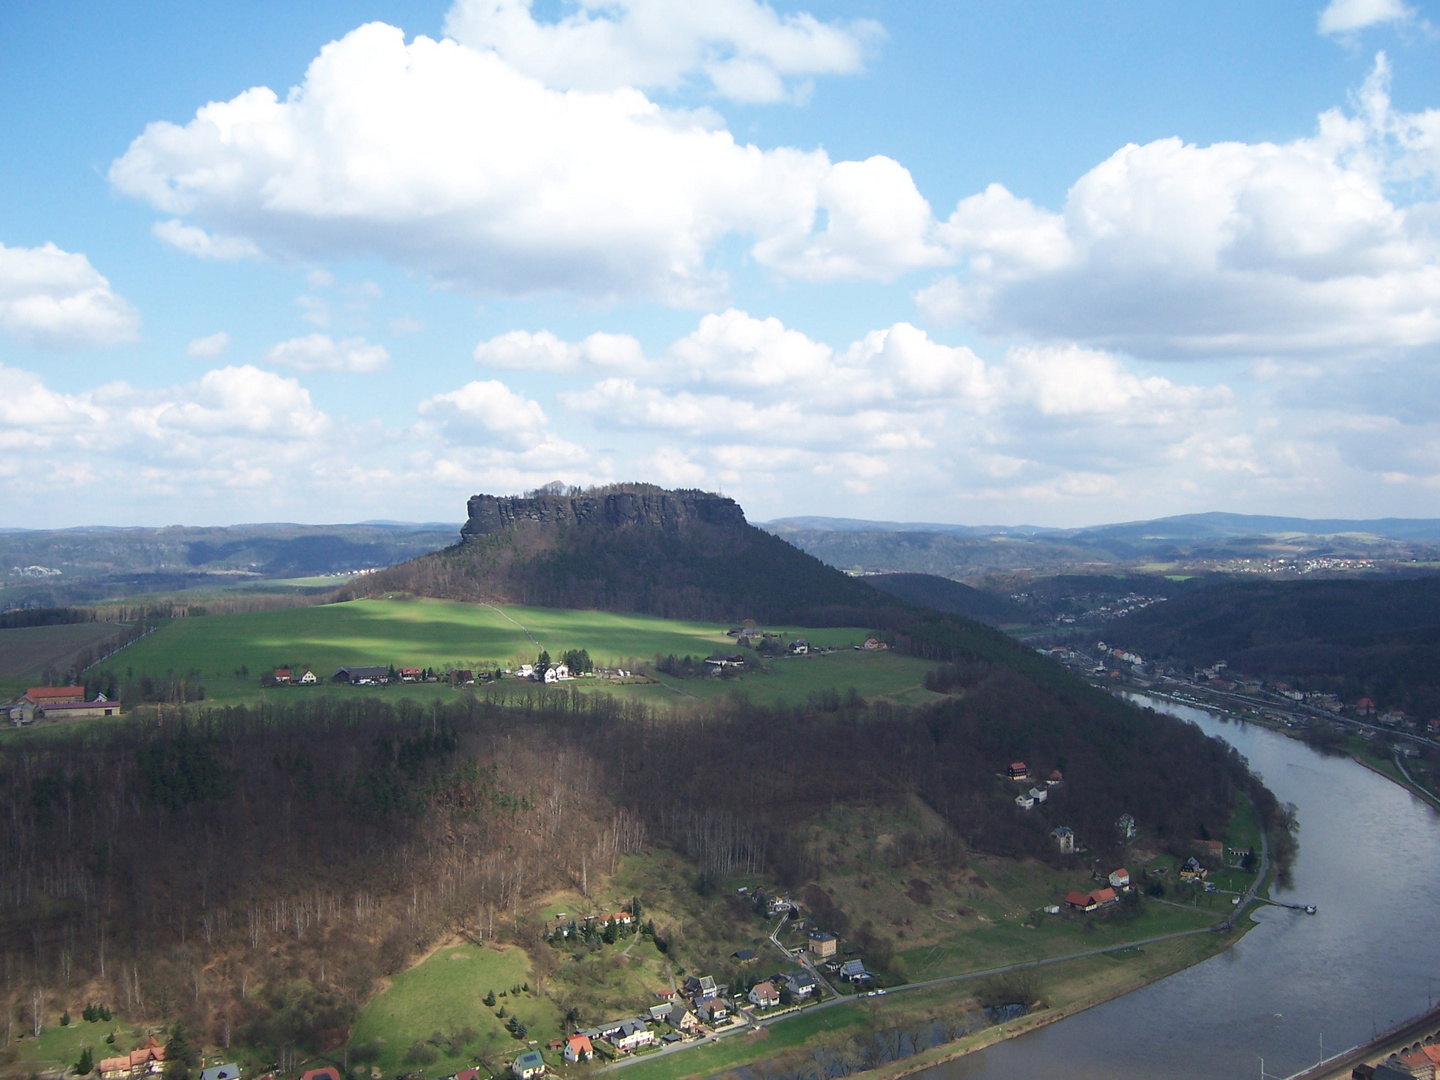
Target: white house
{"x": 1025, "y": 801}
{"x": 764, "y": 995}
{"x": 1040, "y": 793}
{"x": 578, "y": 1048}
{"x": 1065, "y": 838}
{"x": 1120, "y": 879}
{"x": 632, "y": 1035}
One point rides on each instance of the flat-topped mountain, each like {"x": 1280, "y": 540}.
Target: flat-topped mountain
{"x": 668, "y": 511}
{"x": 631, "y": 548}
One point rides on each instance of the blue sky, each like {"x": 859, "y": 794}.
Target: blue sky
{"x": 941, "y": 262}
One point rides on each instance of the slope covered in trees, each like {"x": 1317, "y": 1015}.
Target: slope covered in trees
{"x": 1367, "y": 637}
{"x": 367, "y": 832}
{"x": 951, "y": 597}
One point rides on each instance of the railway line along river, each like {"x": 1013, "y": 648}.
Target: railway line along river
{"x": 1370, "y": 862}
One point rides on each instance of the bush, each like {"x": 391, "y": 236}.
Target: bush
{"x": 421, "y": 1053}
{"x": 366, "y": 1052}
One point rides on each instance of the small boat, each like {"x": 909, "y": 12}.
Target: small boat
{"x": 1309, "y": 909}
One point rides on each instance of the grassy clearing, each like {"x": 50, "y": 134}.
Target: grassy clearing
{"x": 26, "y": 652}
{"x": 60, "y": 1046}
{"x": 439, "y": 1004}
{"x": 440, "y": 634}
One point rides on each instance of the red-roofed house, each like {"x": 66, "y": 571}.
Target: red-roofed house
{"x": 621, "y": 917}
{"x": 329, "y": 1072}
{"x": 411, "y": 674}
{"x": 1080, "y": 901}
{"x": 577, "y": 1048}
{"x": 283, "y": 675}
{"x": 1019, "y": 771}
{"x": 55, "y": 695}
{"x": 1120, "y": 879}
{"x": 1104, "y": 896}
{"x": 468, "y": 1074}
{"x": 142, "y": 1061}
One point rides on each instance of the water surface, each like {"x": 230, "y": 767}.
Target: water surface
{"x": 1368, "y": 960}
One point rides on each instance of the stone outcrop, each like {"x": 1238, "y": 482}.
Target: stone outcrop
{"x": 667, "y": 511}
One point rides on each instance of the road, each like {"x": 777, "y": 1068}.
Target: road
{"x": 925, "y": 985}
{"x": 947, "y": 980}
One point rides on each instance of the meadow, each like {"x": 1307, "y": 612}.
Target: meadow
{"x": 25, "y": 652}
{"x": 229, "y": 653}
{"x": 434, "y": 1017}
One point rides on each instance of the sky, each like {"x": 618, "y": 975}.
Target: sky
{"x": 1040, "y": 263}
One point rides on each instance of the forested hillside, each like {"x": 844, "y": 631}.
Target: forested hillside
{"x": 1359, "y": 637}
{"x": 366, "y": 832}
{"x": 951, "y": 597}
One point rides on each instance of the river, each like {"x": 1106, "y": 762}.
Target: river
{"x": 1367, "y": 961}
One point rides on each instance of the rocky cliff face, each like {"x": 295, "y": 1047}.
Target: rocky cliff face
{"x": 668, "y": 511}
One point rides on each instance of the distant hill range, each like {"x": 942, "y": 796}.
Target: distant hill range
{"x": 1205, "y": 541}
{"x": 629, "y": 548}
{"x": 57, "y": 567}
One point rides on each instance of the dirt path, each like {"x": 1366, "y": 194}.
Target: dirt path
{"x": 504, "y": 615}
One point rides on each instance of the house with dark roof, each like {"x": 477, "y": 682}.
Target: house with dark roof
{"x": 822, "y": 944}
{"x": 743, "y": 956}
{"x": 221, "y": 1072}
{"x": 801, "y": 983}
{"x": 854, "y": 971}
{"x": 528, "y": 1065}
{"x": 368, "y": 675}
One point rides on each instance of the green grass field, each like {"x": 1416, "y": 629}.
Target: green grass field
{"x": 437, "y": 1000}
{"x": 27, "y": 651}
{"x": 441, "y": 634}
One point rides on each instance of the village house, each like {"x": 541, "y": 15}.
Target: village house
{"x": 801, "y": 983}
{"x": 822, "y": 944}
{"x": 764, "y": 995}
{"x": 1065, "y": 838}
{"x": 1104, "y": 896}
{"x": 308, "y": 679}
{"x": 1025, "y": 800}
{"x": 1055, "y": 779}
{"x": 799, "y": 647}
{"x": 328, "y": 1072}
{"x": 718, "y": 664}
{"x": 411, "y": 674}
{"x": 578, "y": 1048}
{"x": 711, "y": 1010}
{"x": 144, "y": 1061}
{"x": 42, "y": 696}
{"x": 1079, "y": 901}
{"x": 368, "y": 675}
{"x": 282, "y": 676}
{"x": 75, "y": 710}
{"x": 702, "y": 987}
{"x": 528, "y": 1065}
{"x": 463, "y": 1074}
{"x": 854, "y": 971}
{"x": 1019, "y": 771}
{"x": 681, "y": 1018}
{"x": 743, "y": 956}
{"x": 1120, "y": 879}
{"x": 1191, "y": 870}
{"x": 221, "y": 1072}
{"x": 1040, "y": 793}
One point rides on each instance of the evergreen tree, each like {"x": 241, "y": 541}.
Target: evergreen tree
{"x": 86, "y": 1062}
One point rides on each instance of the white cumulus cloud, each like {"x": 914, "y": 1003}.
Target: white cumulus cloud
{"x": 1348, "y": 16}
{"x": 55, "y": 299}
{"x": 1171, "y": 249}
{"x": 543, "y": 351}
{"x": 196, "y": 241}
{"x": 321, "y": 352}
{"x": 208, "y": 347}
{"x": 447, "y": 160}
{"x": 744, "y": 50}
{"x": 486, "y": 411}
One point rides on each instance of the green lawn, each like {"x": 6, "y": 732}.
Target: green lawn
{"x": 441, "y": 634}
{"x": 434, "y": 1003}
